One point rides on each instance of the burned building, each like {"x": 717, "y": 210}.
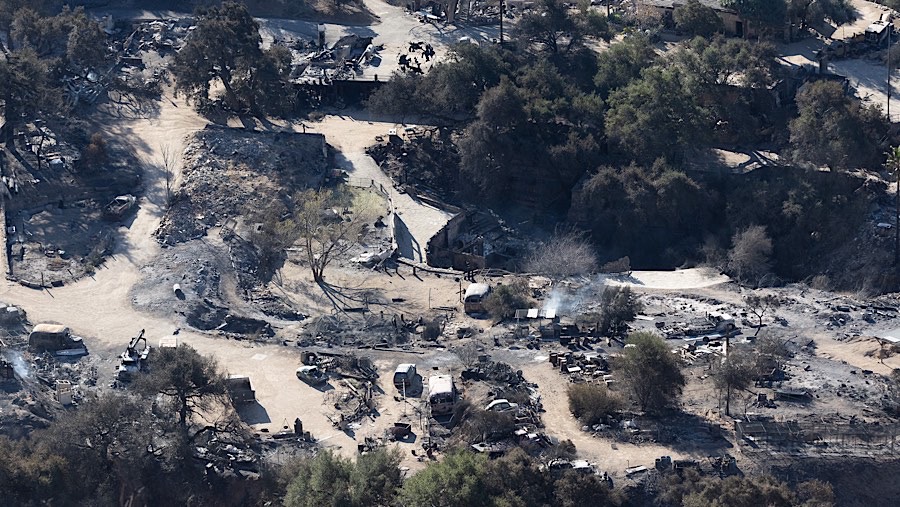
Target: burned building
{"x": 473, "y": 240}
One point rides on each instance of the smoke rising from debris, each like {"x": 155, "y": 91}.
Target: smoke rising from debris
{"x": 18, "y": 363}
{"x": 565, "y": 300}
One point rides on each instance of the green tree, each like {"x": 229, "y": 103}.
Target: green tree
{"x": 740, "y": 492}
{"x": 86, "y": 45}
{"x": 31, "y": 473}
{"x": 770, "y": 15}
{"x": 712, "y": 63}
{"x": 192, "y": 383}
{"x": 893, "y": 166}
{"x": 226, "y": 46}
{"x": 622, "y": 63}
{"x": 274, "y": 234}
{"x": 398, "y": 97}
{"x": 322, "y": 480}
{"x": 450, "y": 91}
{"x": 834, "y": 130}
{"x": 697, "y": 19}
{"x": 682, "y": 204}
{"x": 651, "y": 371}
{"x": 815, "y": 493}
{"x": 10, "y": 8}
{"x": 27, "y": 88}
{"x": 575, "y": 490}
{"x": 455, "y": 86}
{"x": 455, "y": 481}
{"x": 493, "y": 140}
{"x": 504, "y": 300}
{"x": 375, "y": 478}
{"x": 515, "y": 479}
{"x": 657, "y": 102}
{"x": 809, "y": 12}
{"x": 108, "y": 434}
{"x": 559, "y": 30}
{"x": 618, "y": 306}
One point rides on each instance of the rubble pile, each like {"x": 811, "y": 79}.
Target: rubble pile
{"x": 493, "y": 371}
{"x": 229, "y": 172}
{"x": 419, "y": 158}
{"x": 368, "y": 330}
{"x": 54, "y": 191}
{"x": 245, "y": 260}
{"x": 345, "y": 59}
{"x": 351, "y": 402}
{"x": 226, "y": 459}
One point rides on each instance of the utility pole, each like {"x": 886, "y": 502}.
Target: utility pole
{"x": 893, "y": 164}
{"x": 501, "y": 22}
{"x": 890, "y": 28}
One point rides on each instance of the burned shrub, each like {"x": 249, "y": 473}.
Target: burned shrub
{"x": 592, "y": 403}
{"x": 433, "y": 330}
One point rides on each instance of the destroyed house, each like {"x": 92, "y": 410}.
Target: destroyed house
{"x": 735, "y": 25}
{"x": 473, "y": 240}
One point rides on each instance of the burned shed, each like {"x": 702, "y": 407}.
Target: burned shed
{"x": 55, "y": 338}
{"x": 473, "y": 240}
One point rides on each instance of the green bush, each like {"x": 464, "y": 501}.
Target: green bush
{"x": 503, "y": 302}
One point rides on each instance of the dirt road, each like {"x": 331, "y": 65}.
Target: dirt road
{"x": 99, "y": 307}
{"x": 610, "y": 456}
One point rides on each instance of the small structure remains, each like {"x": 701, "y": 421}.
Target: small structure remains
{"x": 57, "y": 339}
{"x": 472, "y": 239}
{"x": 404, "y": 376}
{"x": 64, "y": 394}
{"x": 239, "y": 389}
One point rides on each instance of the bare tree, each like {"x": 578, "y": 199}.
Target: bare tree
{"x": 749, "y": 256}
{"x": 327, "y": 228}
{"x": 735, "y": 372}
{"x": 759, "y": 305}
{"x": 276, "y": 232}
{"x": 170, "y": 159}
{"x": 468, "y": 354}
{"x": 567, "y": 253}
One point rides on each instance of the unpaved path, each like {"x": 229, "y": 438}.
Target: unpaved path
{"x": 679, "y": 279}
{"x": 610, "y": 456}
{"x": 99, "y": 307}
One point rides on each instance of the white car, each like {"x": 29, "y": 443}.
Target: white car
{"x": 312, "y": 375}
{"x": 501, "y": 405}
